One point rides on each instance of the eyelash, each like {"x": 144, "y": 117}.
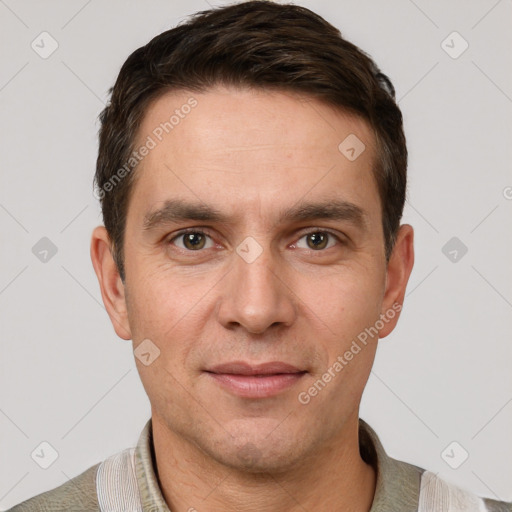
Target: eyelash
{"x": 204, "y": 233}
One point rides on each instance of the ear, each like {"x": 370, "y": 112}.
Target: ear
{"x": 398, "y": 271}
{"x": 112, "y": 288}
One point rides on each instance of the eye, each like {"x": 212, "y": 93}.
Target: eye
{"x": 192, "y": 240}
{"x": 318, "y": 240}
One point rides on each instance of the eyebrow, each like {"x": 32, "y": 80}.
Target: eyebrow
{"x": 176, "y": 210}
{"x": 179, "y": 210}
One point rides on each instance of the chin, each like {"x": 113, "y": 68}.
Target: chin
{"x": 259, "y": 456}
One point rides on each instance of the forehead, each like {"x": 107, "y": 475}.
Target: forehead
{"x": 239, "y": 147}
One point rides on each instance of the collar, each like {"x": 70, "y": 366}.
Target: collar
{"x": 397, "y": 487}
{"x": 398, "y": 484}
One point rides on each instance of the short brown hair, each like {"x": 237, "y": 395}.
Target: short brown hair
{"x": 255, "y": 44}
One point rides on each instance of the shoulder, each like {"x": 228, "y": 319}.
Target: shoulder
{"x": 76, "y": 495}
{"x": 437, "y": 493}
{"x": 497, "y": 506}
{"x": 402, "y": 487}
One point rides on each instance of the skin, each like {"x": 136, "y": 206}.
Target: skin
{"x": 295, "y": 303}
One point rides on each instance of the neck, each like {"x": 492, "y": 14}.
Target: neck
{"x": 334, "y": 478}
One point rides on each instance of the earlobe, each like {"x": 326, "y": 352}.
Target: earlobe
{"x": 111, "y": 286}
{"x": 398, "y": 271}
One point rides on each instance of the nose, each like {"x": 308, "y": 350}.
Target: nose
{"x": 255, "y": 296}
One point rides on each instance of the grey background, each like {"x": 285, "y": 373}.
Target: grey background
{"x": 442, "y": 376}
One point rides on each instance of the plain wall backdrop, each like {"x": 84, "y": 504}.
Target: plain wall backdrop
{"x": 443, "y": 376}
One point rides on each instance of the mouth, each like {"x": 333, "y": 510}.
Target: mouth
{"x": 256, "y": 381}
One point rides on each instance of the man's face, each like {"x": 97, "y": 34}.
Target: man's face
{"x": 292, "y": 271}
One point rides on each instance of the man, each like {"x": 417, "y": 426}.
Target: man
{"x": 252, "y": 176}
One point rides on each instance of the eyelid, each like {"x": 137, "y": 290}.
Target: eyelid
{"x": 184, "y": 231}
{"x": 334, "y": 233}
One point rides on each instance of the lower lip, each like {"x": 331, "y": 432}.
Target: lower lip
{"x": 251, "y": 386}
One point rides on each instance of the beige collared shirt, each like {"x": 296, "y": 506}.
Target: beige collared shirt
{"x": 397, "y": 488}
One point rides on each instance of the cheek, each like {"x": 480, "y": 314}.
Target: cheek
{"x": 347, "y": 304}
{"x": 170, "y": 310}
{"x": 155, "y": 305}
{"x": 350, "y": 308}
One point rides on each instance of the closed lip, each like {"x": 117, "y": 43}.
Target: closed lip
{"x": 243, "y": 368}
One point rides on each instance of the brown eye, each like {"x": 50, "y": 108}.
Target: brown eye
{"x": 192, "y": 240}
{"x": 318, "y": 240}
